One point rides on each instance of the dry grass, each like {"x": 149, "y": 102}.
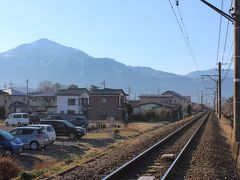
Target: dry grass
{"x": 92, "y": 145}
{"x": 8, "y": 168}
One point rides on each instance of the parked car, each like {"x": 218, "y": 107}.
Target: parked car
{"x": 79, "y": 121}
{"x": 65, "y": 128}
{"x": 32, "y": 137}
{"x": 49, "y": 130}
{"x": 9, "y": 144}
{"x": 17, "y": 119}
{"x": 34, "y": 119}
{"x": 54, "y": 117}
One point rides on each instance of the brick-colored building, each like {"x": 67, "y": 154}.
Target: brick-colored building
{"x": 107, "y": 103}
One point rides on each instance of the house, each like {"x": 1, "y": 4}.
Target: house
{"x": 43, "y": 102}
{"x": 15, "y": 101}
{"x": 177, "y": 98}
{"x": 107, "y": 103}
{"x": 143, "y": 108}
{"x": 2, "y": 98}
{"x": 179, "y": 101}
{"x": 72, "y": 100}
{"x": 165, "y": 100}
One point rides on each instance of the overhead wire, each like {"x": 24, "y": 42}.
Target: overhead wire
{"x": 184, "y": 33}
{"x": 219, "y": 35}
{"x": 230, "y": 51}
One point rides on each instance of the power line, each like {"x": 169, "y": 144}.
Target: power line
{"x": 230, "y": 62}
{"x": 219, "y": 34}
{"x": 184, "y": 34}
{"x": 227, "y": 32}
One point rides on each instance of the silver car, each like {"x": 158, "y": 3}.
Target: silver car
{"x": 32, "y": 137}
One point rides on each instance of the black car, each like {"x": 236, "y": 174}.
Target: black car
{"x": 54, "y": 117}
{"x": 79, "y": 121}
{"x": 65, "y": 128}
{"x": 34, "y": 119}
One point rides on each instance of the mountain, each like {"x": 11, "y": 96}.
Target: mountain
{"x": 196, "y": 74}
{"x": 48, "y": 60}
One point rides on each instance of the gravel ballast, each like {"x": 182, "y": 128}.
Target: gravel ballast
{"x": 212, "y": 159}
{"x": 104, "y": 165}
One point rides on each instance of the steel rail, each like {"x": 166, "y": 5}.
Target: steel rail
{"x": 180, "y": 156}
{"x": 115, "y": 174}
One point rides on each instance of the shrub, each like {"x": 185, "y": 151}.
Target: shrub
{"x": 116, "y": 132}
{"x": 8, "y": 168}
{"x": 27, "y": 175}
{"x": 68, "y": 161}
{"x": 2, "y": 112}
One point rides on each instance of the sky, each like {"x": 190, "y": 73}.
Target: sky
{"x": 133, "y": 32}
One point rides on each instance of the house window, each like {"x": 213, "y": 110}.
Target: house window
{"x": 103, "y": 100}
{"x": 71, "y": 111}
{"x": 84, "y": 101}
{"x": 71, "y": 102}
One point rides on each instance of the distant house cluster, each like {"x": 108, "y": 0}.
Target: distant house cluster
{"x": 96, "y": 104}
{"x": 176, "y": 103}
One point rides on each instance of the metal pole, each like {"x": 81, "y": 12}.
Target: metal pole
{"x": 217, "y": 98}
{"x": 236, "y": 96}
{"x": 219, "y": 91}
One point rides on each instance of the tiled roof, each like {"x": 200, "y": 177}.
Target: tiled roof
{"x": 174, "y": 93}
{"x": 107, "y": 91}
{"x": 155, "y": 95}
{"x": 2, "y": 92}
{"x": 75, "y": 91}
{"x": 14, "y": 92}
{"x": 42, "y": 94}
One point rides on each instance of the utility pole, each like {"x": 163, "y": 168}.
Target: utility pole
{"x": 27, "y": 86}
{"x": 236, "y": 95}
{"x": 214, "y": 98}
{"x": 217, "y": 87}
{"x": 219, "y": 91}
{"x": 104, "y": 84}
{"x": 129, "y": 92}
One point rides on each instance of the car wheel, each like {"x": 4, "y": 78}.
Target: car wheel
{"x": 8, "y": 153}
{"x": 72, "y": 136}
{"x": 19, "y": 123}
{"x": 34, "y": 145}
{"x": 7, "y": 124}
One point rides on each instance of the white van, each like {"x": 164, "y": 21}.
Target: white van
{"x": 17, "y": 119}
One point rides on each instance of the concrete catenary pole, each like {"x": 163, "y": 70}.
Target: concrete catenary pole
{"x": 219, "y": 91}
{"x": 236, "y": 95}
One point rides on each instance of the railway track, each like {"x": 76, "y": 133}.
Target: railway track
{"x": 160, "y": 160}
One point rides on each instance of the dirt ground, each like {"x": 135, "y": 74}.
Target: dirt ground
{"x": 91, "y": 145}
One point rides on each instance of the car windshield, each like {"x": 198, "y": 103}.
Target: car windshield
{"x": 6, "y": 135}
{"x": 69, "y": 123}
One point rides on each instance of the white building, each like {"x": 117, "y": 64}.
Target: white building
{"x": 72, "y": 101}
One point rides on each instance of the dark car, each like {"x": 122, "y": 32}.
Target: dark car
{"x": 65, "y": 128}
{"x": 34, "y": 119}
{"x": 79, "y": 121}
{"x": 54, "y": 117}
{"x": 9, "y": 144}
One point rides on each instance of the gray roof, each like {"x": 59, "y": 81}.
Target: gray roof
{"x": 155, "y": 95}
{"x": 75, "y": 91}
{"x": 42, "y": 94}
{"x": 2, "y": 92}
{"x": 14, "y": 92}
{"x": 174, "y": 93}
{"x": 107, "y": 91}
